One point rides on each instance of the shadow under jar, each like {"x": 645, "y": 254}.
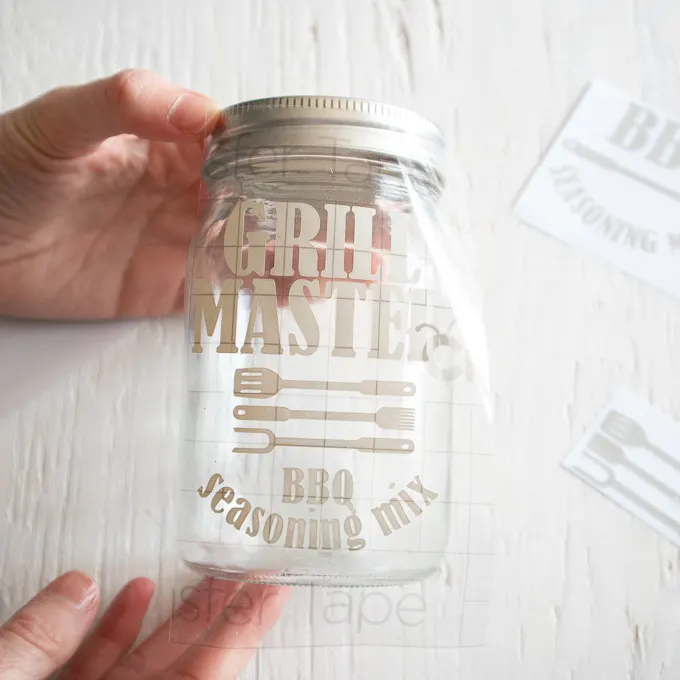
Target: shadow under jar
{"x": 322, "y": 349}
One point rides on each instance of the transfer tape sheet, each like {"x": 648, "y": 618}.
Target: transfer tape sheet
{"x": 631, "y": 454}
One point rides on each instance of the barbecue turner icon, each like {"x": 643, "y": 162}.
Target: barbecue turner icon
{"x": 263, "y": 383}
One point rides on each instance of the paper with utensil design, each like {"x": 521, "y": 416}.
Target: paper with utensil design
{"x": 631, "y": 454}
{"x": 610, "y": 184}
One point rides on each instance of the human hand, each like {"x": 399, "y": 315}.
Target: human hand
{"x": 99, "y": 187}
{"x": 47, "y": 634}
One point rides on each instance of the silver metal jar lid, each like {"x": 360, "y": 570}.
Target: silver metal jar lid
{"x": 333, "y": 122}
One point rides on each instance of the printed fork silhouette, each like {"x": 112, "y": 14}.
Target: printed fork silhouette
{"x": 387, "y": 418}
{"x": 630, "y": 433}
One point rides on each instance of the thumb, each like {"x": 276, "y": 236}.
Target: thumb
{"x": 68, "y": 121}
{"x": 41, "y": 637}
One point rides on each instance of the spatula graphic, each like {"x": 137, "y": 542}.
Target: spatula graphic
{"x": 263, "y": 383}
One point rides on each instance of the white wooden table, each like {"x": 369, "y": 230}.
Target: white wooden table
{"x": 88, "y": 415}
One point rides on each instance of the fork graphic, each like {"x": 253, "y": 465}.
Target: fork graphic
{"x": 387, "y": 418}
{"x": 629, "y": 432}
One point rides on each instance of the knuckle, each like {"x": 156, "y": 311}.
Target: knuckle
{"x": 122, "y": 86}
{"x": 29, "y": 634}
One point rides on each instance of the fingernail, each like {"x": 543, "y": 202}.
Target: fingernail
{"x": 75, "y": 587}
{"x": 191, "y": 113}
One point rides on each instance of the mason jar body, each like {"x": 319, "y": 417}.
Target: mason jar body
{"x": 323, "y": 363}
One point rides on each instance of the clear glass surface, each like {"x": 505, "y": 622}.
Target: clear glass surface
{"x": 323, "y": 363}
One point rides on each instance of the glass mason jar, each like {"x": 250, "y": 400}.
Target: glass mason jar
{"x": 323, "y": 353}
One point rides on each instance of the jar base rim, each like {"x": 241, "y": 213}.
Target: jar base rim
{"x": 300, "y": 578}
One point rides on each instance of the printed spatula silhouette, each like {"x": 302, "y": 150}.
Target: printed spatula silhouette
{"x": 263, "y": 383}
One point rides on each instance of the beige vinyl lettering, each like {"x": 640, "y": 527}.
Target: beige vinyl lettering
{"x": 212, "y": 482}
{"x": 206, "y": 308}
{"x": 294, "y": 524}
{"x": 318, "y": 486}
{"x": 234, "y": 252}
{"x": 293, "y": 491}
{"x": 286, "y": 239}
{"x": 255, "y": 518}
{"x": 386, "y": 514}
{"x": 346, "y": 292}
{"x": 362, "y": 268}
{"x": 336, "y": 236}
{"x": 264, "y": 303}
{"x": 326, "y": 525}
{"x": 353, "y": 530}
{"x": 343, "y": 487}
{"x": 273, "y": 528}
{"x": 238, "y": 515}
{"x": 226, "y": 495}
{"x": 304, "y": 316}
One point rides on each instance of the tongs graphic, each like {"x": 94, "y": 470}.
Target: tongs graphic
{"x": 363, "y": 445}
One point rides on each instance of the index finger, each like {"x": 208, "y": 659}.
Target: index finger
{"x": 42, "y": 635}
{"x": 68, "y": 121}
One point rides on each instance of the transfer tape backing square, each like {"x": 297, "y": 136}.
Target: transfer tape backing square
{"x": 610, "y": 185}
{"x": 631, "y": 454}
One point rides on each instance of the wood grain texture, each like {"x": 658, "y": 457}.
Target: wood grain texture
{"x": 582, "y": 590}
